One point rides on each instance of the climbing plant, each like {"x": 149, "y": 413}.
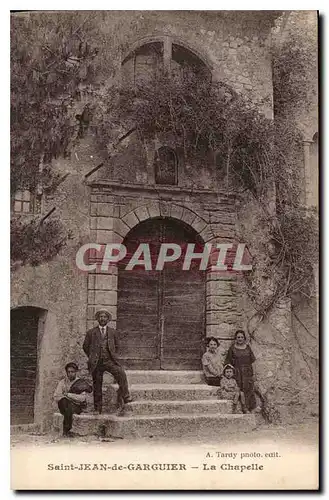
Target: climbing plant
{"x": 53, "y": 56}
{"x": 257, "y": 154}
{"x": 35, "y": 243}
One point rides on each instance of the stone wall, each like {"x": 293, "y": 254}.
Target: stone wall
{"x": 234, "y": 45}
{"x": 286, "y": 341}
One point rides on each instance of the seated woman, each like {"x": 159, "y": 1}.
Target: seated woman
{"x": 212, "y": 362}
{"x": 241, "y": 357}
{"x": 229, "y": 388}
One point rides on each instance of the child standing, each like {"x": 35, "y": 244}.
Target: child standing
{"x": 229, "y": 388}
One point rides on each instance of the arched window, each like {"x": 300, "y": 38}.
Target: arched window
{"x": 165, "y": 166}
{"x": 143, "y": 63}
{"x": 186, "y": 65}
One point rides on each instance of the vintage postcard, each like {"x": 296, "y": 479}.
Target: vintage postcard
{"x": 164, "y": 250}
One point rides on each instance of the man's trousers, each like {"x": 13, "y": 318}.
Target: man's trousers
{"x": 119, "y": 375}
{"x": 67, "y": 409}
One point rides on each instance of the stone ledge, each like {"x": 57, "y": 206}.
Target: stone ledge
{"x": 164, "y": 426}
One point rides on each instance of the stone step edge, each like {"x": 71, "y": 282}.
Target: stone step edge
{"x": 182, "y": 416}
{"x": 170, "y": 387}
{"x": 176, "y": 402}
{"x": 164, "y": 372}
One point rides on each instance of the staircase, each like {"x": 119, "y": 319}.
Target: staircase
{"x": 165, "y": 404}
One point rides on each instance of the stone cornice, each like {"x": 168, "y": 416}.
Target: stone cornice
{"x": 160, "y": 190}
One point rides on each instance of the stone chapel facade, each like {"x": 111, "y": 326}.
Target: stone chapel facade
{"x": 140, "y": 194}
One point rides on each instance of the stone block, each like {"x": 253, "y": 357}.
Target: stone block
{"x": 93, "y": 223}
{"x": 103, "y": 236}
{"x": 142, "y": 213}
{"x": 105, "y": 209}
{"x": 91, "y": 297}
{"x": 165, "y": 377}
{"x": 120, "y": 227}
{"x": 106, "y": 282}
{"x": 108, "y": 297}
{"x": 222, "y": 330}
{"x": 207, "y": 233}
{"x": 105, "y": 223}
{"x": 188, "y": 216}
{"x": 213, "y": 275}
{"x": 102, "y": 198}
{"x": 223, "y": 231}
{"x": 178, "y": 407}
{"x": 91, "y": 281}
{"x": 219, "y": 288}
{"x": 176, "y": 211}
{"x": 93, "y": 208}
{"x": 216, "y": 317}
{"x": 102, "y": 282}
{"x": 111, "y": 270}
{"x": 165, "y": 208}
{"x": 198, "y": 224}
{"x": 139, "y": 426}
{"x": 219, "y": 303}
{"x": 154, "y": 209}
{"x": 222, "y": 217}
{"x": 130, "y": 219}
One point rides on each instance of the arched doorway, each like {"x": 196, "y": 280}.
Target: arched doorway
{"x": 161, "y": 314}
{"x": 24, "y": 331}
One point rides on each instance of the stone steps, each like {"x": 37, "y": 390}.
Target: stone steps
{"x": 174, "y": 426}
{"x": 24, "y": 428}
{"x": 158, "y": 377}
{"x": 165, "y": 377}
{"x": 168, "y": 392}
{"x": 164, "y": 407}
{"x": 165, "y": 404}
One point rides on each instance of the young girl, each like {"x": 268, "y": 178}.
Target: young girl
{"x": 229, "y": 388}
{"x": 212, "y": 362}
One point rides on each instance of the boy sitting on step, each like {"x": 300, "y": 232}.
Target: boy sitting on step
{"x": 229, "y": 388}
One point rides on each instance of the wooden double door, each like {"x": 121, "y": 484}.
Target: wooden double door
{"x": 160, "y": 317}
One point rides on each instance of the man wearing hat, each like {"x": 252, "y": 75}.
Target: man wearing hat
{"x": 99, "y": 346}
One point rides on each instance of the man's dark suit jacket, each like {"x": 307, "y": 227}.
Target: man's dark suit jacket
{"x": 92, "y": 346}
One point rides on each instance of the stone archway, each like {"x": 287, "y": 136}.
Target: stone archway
{"x": 161, "y": 314}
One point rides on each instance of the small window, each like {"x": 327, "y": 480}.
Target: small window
{"x": 165, "y": 166}
{"x": 23, "y": 201}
